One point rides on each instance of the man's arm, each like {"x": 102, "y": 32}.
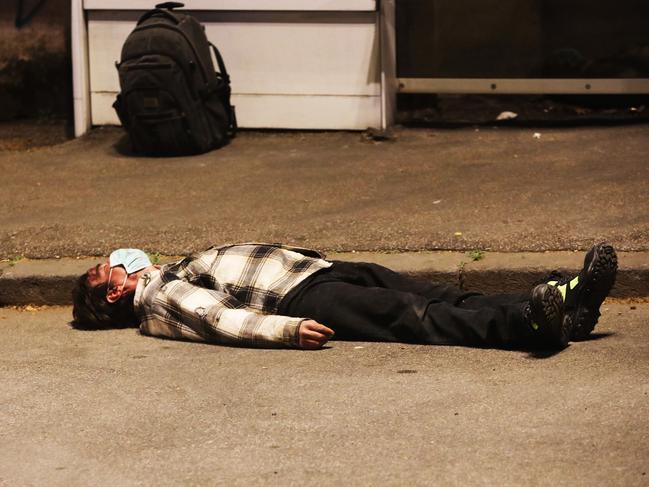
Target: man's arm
{"x": 183, "y": 310}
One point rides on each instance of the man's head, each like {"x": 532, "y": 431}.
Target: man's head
{"x": 103, "y": 296}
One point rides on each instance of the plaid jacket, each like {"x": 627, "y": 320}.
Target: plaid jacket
{"x": 227, "y": 294}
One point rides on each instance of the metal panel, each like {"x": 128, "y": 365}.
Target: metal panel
{"x": 80, "y": 81}
{"x": 299, "y": 5}
{"x": 524, "y": 86}
{"x": 386, "y": 30}
{"x": 312, "y": 64}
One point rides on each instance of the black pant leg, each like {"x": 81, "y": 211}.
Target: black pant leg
{"x": 375, "y": 275}
{"x": 477, "y": 301}
{"x": 357, "y": 312}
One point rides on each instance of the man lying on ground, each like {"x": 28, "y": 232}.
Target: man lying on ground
{"x": 274, "y": 295}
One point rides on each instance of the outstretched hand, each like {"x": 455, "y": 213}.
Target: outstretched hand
{"x": 313, "y": 335}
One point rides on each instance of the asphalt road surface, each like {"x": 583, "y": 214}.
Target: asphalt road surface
{"x": 117, "y": 408}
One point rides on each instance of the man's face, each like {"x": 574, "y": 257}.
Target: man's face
{"x": 98, "y": 274}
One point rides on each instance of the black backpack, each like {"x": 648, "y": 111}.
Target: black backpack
{"x": 172, "y": 102}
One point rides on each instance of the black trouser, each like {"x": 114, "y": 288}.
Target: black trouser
{"x": 361, "y": 301}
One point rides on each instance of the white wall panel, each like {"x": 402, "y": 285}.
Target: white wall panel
{"x": 105, "y": 40}
{"x": 306, "y": 72}
{"x": 312, "y": 58}
{"x": 264, "y": 57}
{"x": 280, "y": 111}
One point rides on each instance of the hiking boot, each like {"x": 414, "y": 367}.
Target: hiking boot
{"x": 546, "y": 317}
{"x": 584, "y": 294}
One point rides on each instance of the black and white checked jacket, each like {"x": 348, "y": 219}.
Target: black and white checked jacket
{"x": 228, "y": 294}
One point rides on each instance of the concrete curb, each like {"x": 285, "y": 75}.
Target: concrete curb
{"x": 50, "y": 281}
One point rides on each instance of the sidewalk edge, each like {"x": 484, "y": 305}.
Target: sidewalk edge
{"x": 50, "y": 281}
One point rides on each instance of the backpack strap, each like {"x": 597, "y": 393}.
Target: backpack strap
{"x": 232, "y": 114}
{"x": 219, "y": 60}
{"x": 233, "y": 121}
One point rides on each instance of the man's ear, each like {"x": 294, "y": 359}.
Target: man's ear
{"x": 114, "y": 293}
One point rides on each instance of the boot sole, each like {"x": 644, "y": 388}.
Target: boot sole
{"x": 600, "y": 278}
{"x": 548, "y": 312}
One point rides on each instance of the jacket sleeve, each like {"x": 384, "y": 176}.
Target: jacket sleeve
{"x": 185, "y": 311}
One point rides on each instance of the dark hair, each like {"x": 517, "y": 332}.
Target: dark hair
{"x": 92, "y": 311}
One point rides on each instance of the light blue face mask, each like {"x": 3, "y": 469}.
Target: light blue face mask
{"x": 132, "y": 260}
